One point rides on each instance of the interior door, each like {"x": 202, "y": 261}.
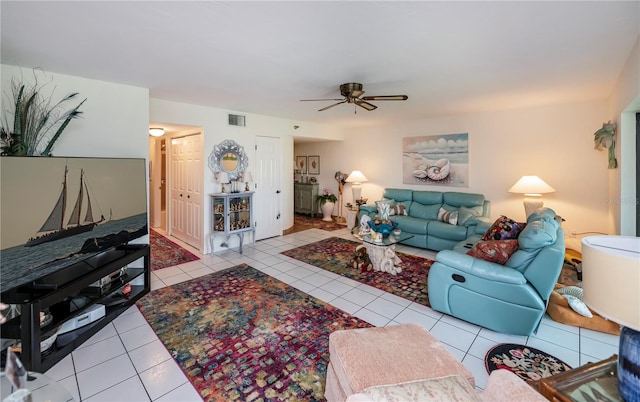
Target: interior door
{"x": 186, "y": 179}
{"x": 268, "y": 196}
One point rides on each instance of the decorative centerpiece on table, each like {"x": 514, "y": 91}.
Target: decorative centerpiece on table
{"x": 327, "y": 202}
{"x": 382, "y": 226}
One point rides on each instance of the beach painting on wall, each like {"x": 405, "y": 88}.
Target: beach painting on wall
{"x": 436, "y": 159}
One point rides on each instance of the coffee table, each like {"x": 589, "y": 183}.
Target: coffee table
{"x": 383, "y": 253}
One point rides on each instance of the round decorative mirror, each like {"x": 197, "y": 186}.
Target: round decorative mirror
{"x": 229, "y": 157}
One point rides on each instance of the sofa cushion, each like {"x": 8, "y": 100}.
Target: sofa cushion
{"x": 412, "y": 225}
{"x": 450, "y": 388}
{"x": 446, "y": 231}
{"x": 464, "y": 214}
{"x": 428, "y": 197}
{"x": 538, "y": 233}
{"x": 521, "y": 259}
{"x": 450, "y": 217}
{"x": 497, "y": 251}
{"x": 384, "y": 208}
{"x": 398, "y": 209}
{"x": 422, "y": 211}
{"x": 503, "y": 228}
{"x": 457, "y": 200}
{"x": 398, "y": 194}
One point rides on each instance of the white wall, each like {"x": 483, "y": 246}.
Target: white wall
{"x": 214, "y": 123}
{"x": 554, "y": 142}
{"x": 115, "y": 117}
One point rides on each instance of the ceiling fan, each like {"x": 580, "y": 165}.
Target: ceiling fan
{"x": 352, "y": 92}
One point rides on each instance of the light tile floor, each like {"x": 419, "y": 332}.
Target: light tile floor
{"x": 126, "y": 361}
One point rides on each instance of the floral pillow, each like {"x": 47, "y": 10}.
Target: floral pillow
{"x": 450, "y": 217}
{"x": 504, "y": 228}
{"x": 497, "y": 251}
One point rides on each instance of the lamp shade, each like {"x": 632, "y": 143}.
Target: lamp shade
{"x": 531, "y": 185}
{"x": 356, "y": 177}
{"x": 223, "y": 178}
{"x": 247, "y": 176}
{"x": 611, "y": 277}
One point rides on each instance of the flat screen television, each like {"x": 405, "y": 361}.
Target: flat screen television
{"x": 58, "y": 211}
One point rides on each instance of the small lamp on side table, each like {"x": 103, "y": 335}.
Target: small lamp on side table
{"x": 247, "y": 177}
{"x": 223, "y": 178}
{"x": 611, "y": 282}
{"x": 531, "y": 186}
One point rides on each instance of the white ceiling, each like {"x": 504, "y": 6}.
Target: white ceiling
{"x": 263, "y": 57}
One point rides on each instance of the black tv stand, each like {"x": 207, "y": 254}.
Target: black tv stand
{"x": 53, "y": 293}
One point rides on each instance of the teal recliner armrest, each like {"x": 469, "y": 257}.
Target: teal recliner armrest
{"x": 480, "y": 268}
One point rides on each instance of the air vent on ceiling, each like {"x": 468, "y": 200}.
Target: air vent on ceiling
{"x": 236, "y": 120}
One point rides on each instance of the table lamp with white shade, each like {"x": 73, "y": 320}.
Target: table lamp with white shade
{"x": 223, "y": 178}
{"x": 247, "y": 177}
{"x": 611, "y": 284}
{"x": 532, "y": 187}
{"x": 356, "y": 178}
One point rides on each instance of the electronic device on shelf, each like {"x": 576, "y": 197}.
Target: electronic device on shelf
{"x": 91, "y": 314}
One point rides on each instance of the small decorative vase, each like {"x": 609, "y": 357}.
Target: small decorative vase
{"x": 327, "y": 209}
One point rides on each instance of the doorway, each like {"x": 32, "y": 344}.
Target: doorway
{"x": 175, "y": 186}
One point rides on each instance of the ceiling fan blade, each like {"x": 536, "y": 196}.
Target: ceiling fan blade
{"x": 355, "y": 93}
{"x": 330, "y": 106}
{"x": 314, "y": 100}
{"x": 365, "y": 105}
{"x": 386, "y": 97}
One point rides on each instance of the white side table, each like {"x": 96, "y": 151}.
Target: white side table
{"x": 352, "y": 216}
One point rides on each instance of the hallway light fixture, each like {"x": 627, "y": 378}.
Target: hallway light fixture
{"x": 531, "y": 186}
{"x": 156, "y": 131}
{"x": 356, "y": 178}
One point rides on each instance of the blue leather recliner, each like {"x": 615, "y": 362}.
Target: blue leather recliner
{"x": 510, "y": 298}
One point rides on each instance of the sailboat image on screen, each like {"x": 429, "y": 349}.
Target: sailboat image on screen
{"x": 54, "y": 229}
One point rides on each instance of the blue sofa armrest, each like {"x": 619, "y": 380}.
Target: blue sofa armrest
{"x": 480, "y": 268}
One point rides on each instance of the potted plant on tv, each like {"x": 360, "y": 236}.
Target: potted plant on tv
{"x": 34, "y": 123}
{"x": 327, "y": 202}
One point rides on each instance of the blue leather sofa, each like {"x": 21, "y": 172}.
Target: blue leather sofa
{"x": 422, "y": 216}
{"x": 510, "y": 298}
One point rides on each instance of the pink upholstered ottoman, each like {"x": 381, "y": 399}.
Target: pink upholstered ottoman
{"x": 361, "y": 358}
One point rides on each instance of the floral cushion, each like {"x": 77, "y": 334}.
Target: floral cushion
{"x": 450, "y": 388}
{"x": 497, "y": 251}
{"x": 450, "y": 217}
{"x": 504, "y": 228}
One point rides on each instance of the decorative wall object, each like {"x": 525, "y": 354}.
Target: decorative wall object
{"x": 436, "y": 159}
{"x": 314, "y": 164}
{"x": 228, "y": 157}
{"x": 301, "y": 164}
{"x": 605, "y": 138}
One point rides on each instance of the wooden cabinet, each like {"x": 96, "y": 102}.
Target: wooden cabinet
{"x": 232, "y": 214}
{"x": 305, "y": 199}
{"x": 70, "y": 292}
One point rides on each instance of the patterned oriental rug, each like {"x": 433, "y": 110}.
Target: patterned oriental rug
{"x": 526, "y": 362}
{"x": 304, "y": 222}
{"x": 334, "y": 254}
{"x": 165, "y": 253}
{"x": 240, "y": 334}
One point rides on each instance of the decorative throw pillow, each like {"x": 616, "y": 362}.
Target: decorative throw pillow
{"x": 398, "y": 209}
{"x": 384, "y": 207}
{"x": 464, "y": 214}
{"x": 497, "y": 251}
{"x": 450, "y": 217}
{"x": 504, "y": 228}
{"x": 578, "y": 306}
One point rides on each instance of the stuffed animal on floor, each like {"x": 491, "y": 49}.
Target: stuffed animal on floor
{"x": 361, "y": 260}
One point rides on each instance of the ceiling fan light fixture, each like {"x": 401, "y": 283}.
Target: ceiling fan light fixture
{"x": 352, "y": 92}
